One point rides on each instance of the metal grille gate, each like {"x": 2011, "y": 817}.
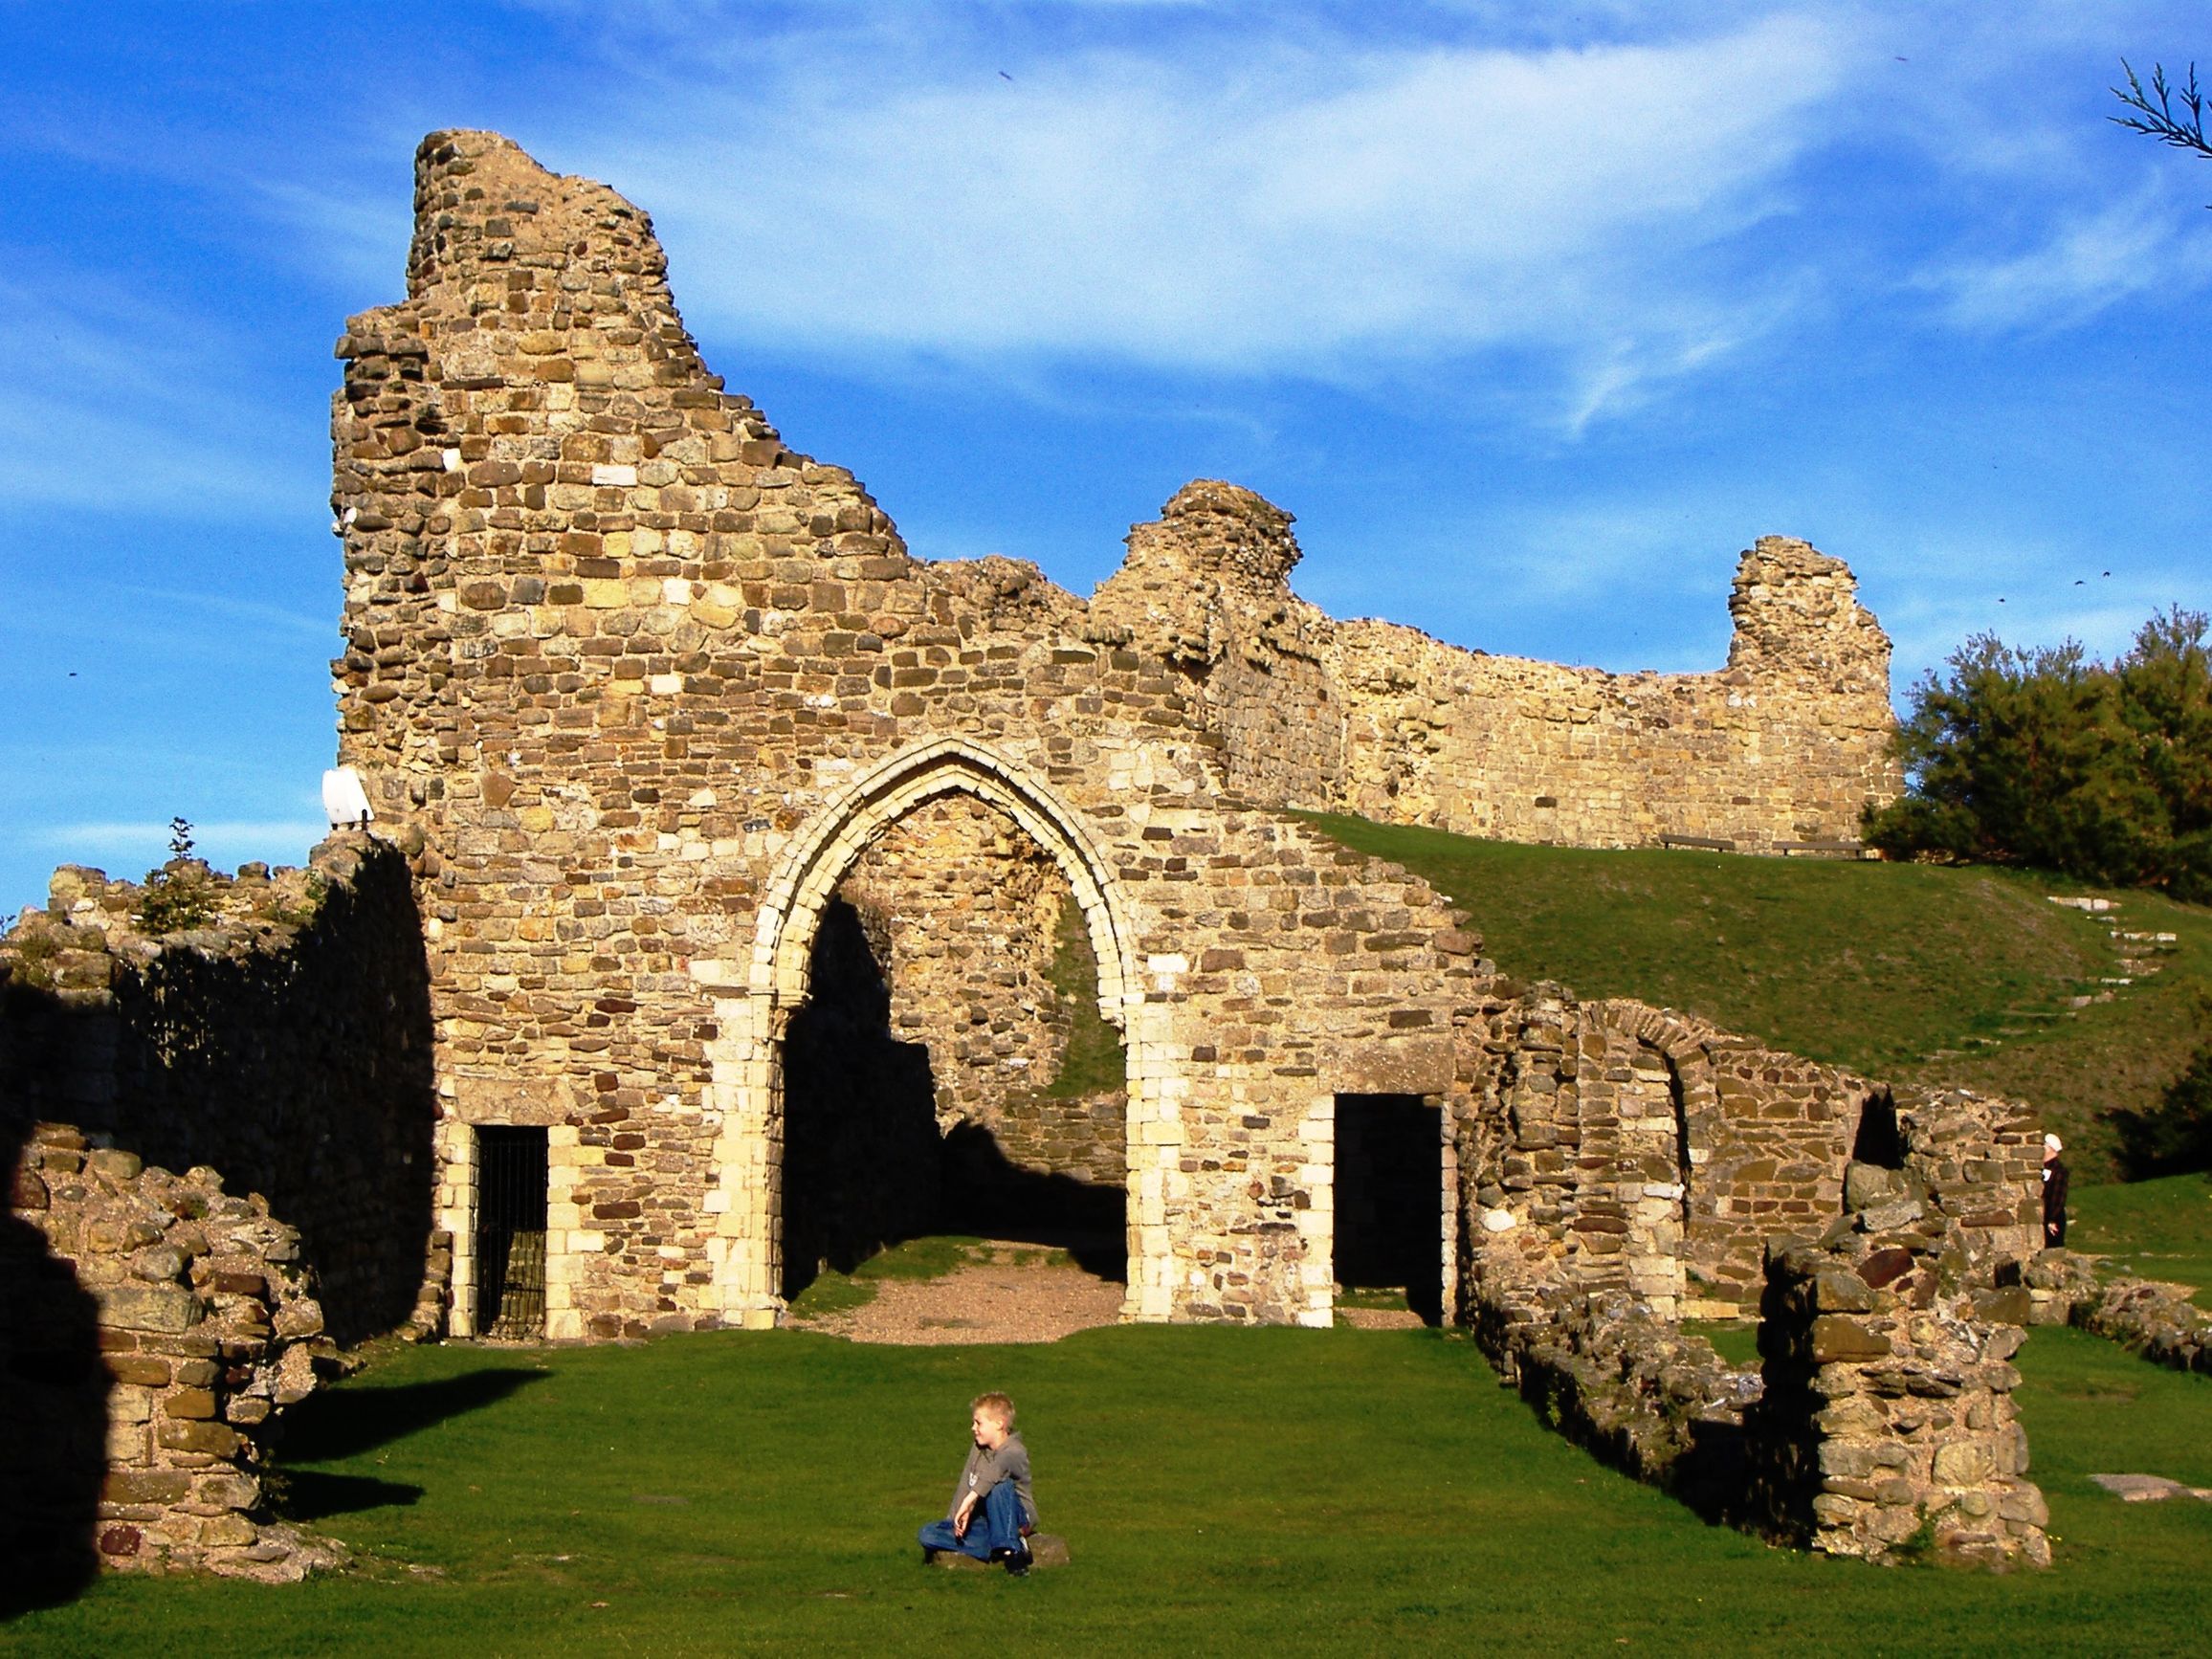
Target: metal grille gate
{"x": 510, "y": 1232}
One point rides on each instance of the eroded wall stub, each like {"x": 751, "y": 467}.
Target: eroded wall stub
{"x": 158, "y": 1327}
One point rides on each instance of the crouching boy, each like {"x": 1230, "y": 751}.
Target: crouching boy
{"x": 994, "y": 1511}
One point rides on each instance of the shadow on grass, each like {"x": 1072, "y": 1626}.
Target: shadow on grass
{"x": 307, "y": 1495}
{"x": 347, "y": 1421}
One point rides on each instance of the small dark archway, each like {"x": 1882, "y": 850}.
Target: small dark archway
{"x": 1390, "y": 1199}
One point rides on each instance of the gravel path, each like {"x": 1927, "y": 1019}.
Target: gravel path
{"x": 998, "y": 1302}
{"x": 1012, "y": 1298}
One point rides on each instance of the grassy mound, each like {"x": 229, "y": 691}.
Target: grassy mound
{"x": 1907, "y": 972}
{"x": 1223, "y": 1490}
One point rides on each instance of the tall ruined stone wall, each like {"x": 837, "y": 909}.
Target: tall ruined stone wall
{"x": 1786, "y": 744}
{"x": 648, "y": 686}
{"x": 285, "y": 1040}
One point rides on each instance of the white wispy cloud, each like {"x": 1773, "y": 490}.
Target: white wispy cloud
{"x": 1323, "y": 208}
{"x": 2089, "y": 260}
{"x": 107, "y": 402}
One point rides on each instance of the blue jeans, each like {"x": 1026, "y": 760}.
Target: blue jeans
{"x": 994, "y": 1525}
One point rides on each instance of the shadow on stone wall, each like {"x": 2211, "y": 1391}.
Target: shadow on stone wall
{"x": 988, "y": 1194}
{"x": 54, "y": 1455}
{"x": 299, "y": 1068}
{"x": 864, "y": 1166}
{"x": 861, "y": 1159}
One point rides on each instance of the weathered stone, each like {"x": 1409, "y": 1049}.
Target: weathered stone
{"x": 1838, "y": 1338}
{"x": 136, "y": 1307}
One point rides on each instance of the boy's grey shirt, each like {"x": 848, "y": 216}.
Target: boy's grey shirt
{"x": 985, "y": 1468}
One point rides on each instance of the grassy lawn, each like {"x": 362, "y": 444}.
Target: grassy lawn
{"x": 2160, "y": 1229}
{"x": 1223, "y": 1489}
{"x": 1877, "y": 967}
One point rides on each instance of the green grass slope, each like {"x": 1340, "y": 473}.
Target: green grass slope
{"x": 2155, "y": 1230}
{"x": 1223, "y": 1490}
{"x": 1907, "y": 972}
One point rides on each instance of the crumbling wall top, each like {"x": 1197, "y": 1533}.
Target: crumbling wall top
{"x": 1796, "y": 608}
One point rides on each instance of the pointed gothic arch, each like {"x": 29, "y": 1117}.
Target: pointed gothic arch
{"x": 752, "y": 1018}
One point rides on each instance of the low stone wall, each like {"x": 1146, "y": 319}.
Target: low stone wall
{"x": 1621, "y": 1164}
{"x": 154, "y": 1329}
{"x": 2154, "y": 1320}
{"x": 282, "y": 1035}
{"x": 1635, "y": 1389}
{"x": 2146, "y": 1316}
{"x": 1657, "y": 1154}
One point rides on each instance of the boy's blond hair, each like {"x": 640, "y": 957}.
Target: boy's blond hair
{"x": 996, "y": 1405}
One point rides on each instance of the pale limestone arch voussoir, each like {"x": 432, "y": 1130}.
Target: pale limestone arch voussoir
{"x": 792, "y": 903}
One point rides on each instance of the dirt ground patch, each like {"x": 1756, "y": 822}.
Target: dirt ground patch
{"x": 997, "y": 1302}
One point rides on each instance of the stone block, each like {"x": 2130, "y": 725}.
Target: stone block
{"x": 1838, "y": 1338}
{"x": 146, "y": 1486}
{"x": 209, "y": 1439}
{"x": 139, "y": 1307}
{"x": 190, "y": 1405}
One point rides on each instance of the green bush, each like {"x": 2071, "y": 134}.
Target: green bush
{"x": 181, "y": 895}
{"x": 2048, "y": 758}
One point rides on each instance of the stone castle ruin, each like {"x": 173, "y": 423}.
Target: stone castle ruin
{"x": 770, "y": 882}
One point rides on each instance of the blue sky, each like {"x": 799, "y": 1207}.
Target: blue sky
{"x": 1533, "y": 317}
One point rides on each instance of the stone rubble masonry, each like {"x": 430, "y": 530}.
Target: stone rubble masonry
{"x": 965, "y": 913}
{"x": 648, "y": 687}
{"x": 285, "y": 1042}
{"x": 1887, "y": 1416}
{"x": 1644, "y": 1150}
{"x": 1624, "y": 1166}
{"x": 1630, "y": 1385}
{"x": 200, "y": 1332}
{"x": 1887, "y": 1422}
{"x": 1779, "y": 749}
{"x": 2149, "y": 1317}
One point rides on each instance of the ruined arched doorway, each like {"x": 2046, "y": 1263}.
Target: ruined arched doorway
{"x": 754, "y": 1026}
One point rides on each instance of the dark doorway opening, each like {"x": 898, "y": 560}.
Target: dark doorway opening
{"x": 870, "y": 1162}
{"x": 510, "y": 1231}
{"x": 862, "y": 1166}
{"x": 1878, "y": 1140}
{"x": 1389, "y": 1199}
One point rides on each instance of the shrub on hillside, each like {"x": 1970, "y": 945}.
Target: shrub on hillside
{"x": 2175, "y": 1136}
{"x": 2049, "y": 758}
